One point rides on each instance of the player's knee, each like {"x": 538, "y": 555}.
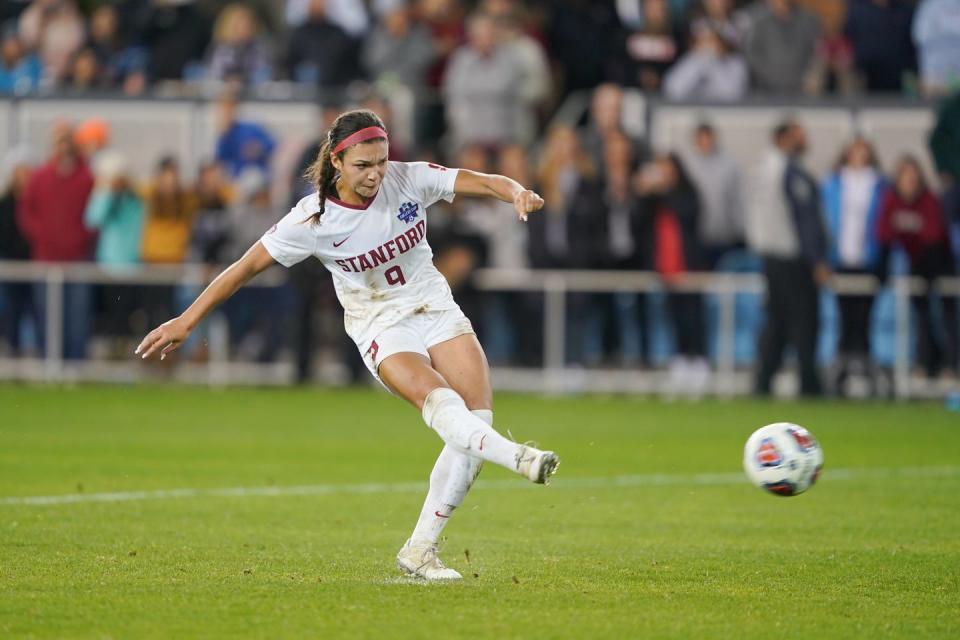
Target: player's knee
{"x": 436, "y": 399}
{"x": 477, "y": 400}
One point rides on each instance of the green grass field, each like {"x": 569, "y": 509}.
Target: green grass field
{"x": 649, "y": 530}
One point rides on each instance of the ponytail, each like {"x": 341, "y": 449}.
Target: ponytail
{"x": 322, "y": 173}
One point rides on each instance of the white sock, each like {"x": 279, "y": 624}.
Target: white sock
{"x": 452, "y": 476}
{"x": 466, "y": 468}
{"x": 445, "y": 412}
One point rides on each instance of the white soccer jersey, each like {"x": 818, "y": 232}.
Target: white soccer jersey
{"x": 378, "y": 254}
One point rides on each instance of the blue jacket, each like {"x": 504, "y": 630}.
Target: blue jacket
{"x": 832, "y": 204}
{"x": 23, "y": 78}
{"x": 243, "y": 145}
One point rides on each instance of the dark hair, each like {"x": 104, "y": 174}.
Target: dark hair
{"x": 684, "y": 182}
{"x": 705, "y": 127}
{"x": 168, "y": 162}
{"x": 784, "y": 127}
{"x": 322, "y": 173}
{"x": 781, "y": 130}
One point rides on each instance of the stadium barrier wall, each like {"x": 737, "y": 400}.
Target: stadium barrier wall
{"x": 146, "y": 129}
{"x": 555, "y": 376}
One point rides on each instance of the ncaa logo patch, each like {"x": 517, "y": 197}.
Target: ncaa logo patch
{"x": 768, "y": 455}
{"x": 408, "y": 212}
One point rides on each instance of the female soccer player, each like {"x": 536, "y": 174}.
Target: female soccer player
{"x": 367, "y": 224}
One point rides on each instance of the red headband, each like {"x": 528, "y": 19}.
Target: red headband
{"x": 360, "y": 136}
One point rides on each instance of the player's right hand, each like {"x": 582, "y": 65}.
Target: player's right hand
{"x": 164, "y": 338}
{"x": 526, "y": 202}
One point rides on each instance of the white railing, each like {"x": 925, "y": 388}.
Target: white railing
{"x": 218, "y": 371}
{"x": 555, "y": 285}
{"x": 554, "y": 377}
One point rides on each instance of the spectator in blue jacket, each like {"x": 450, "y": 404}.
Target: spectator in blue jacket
{"x": 20, "y": 71}
{"x": 242, "y": 145}
{"x": 852, "y": 195}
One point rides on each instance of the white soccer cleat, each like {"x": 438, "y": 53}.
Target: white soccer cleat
{"x": 537, "y": 466}
{"x": 421, "y": 561}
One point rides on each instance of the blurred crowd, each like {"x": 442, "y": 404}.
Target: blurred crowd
{"x": 524, "y": 55}
{"x": 500, "y": 68}
{"x": 611, "y": 204}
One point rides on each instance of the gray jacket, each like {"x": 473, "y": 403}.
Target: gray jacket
{"x": 719, "y": 183}
{"x": 484, "y": 96}
{"x": 780, "y": 52}
{"x": 407, "y": 59}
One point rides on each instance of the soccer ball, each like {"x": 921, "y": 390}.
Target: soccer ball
{"x": 782, "y": 458}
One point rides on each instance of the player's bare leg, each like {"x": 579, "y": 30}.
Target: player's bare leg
{"x": 463, "y": 365}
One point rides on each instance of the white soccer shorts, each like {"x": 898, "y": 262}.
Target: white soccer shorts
{"x": 416, "y": 334}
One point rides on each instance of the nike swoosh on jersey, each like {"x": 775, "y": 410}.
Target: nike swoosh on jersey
{"x": 337, "y": 244}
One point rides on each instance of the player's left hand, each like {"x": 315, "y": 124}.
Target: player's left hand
{"x": 526, "y": 202}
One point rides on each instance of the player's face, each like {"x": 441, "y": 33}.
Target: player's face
{"x": 363, "y": 167}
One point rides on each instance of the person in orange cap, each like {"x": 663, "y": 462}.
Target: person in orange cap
{"x": 92, "y": 136}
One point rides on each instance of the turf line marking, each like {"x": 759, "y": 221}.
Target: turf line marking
{"x": 610, "y": 482}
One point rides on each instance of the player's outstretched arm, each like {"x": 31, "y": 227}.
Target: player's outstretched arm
{"x": 172, "y": 333}
{"x": 472, "y": 183}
